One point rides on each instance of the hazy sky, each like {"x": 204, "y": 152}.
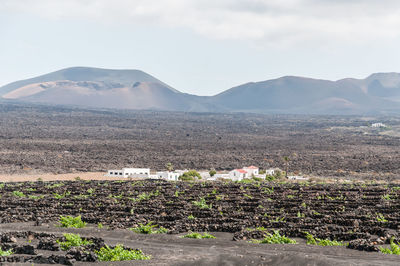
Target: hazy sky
{"x": 201, "y": 46}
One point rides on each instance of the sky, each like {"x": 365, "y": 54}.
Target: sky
{"x": 201, "y": 47}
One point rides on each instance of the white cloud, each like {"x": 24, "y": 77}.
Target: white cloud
{"x": 274, "y": 22}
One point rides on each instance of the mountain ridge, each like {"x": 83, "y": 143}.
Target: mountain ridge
{"x": 135, "y": 89}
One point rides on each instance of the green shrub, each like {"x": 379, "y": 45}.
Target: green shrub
{"x": 394, "y": 249}
{"x": 55, "y": 185}
{"x": 191, "y": 217}
{"x": 275, "y": 238}
{"x": 6, "y": 252}
{"x": 149, "y": 228}
{"x": 201, "y": 203}
{"x": 36, "y": 196}
{"x": 198, "y": 235}
{"x": 71, "y": 222}
{"x": 73, "y": 240}
{"x": 258, "y": 179}
{"x": 381, "y": 218}
{"x": 19, "y": 194}
{"x": 61, "y": 196}
{"x": 119, "y": 253}
{"x": 190, "y": 175}
{"x": 311, "y": 240}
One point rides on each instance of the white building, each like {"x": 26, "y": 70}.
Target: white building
{"x": 378, "y": 125}
{"x": 251, "y": 170}
{"x": 170, "y": 176}
{"x": 270, "y": 171}
{"x": 205, "y": 175}
{"x": 130, "y": 172}
{"x": 238, "y": 174}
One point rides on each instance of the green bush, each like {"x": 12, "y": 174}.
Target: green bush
{"x": 19, "y": 194}
{"x": 190, "y": 175}
{"x": 61, "y": 196}
{"x": 270, "y": 178}
{"x": 119, "y": 253}
{"x": 6, "y": 252}
{"x": 198, "y": 235}
{"x": 311, "y": 240}
{"x": 201, "y": 203}
{"x": 71, "y": 222}
{"x": 275, "y": 238}
{"x": 73, "y": 240}
{"x": 149, "y": 228}
{"x": 394, "y": 249}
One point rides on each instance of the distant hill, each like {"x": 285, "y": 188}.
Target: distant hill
{"x": 103, "y": 88}
{"x": 135, "y": 89}
{"x": 314, "y": 96}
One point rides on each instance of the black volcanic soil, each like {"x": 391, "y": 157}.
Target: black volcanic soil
{"x": 60, "y": 140}
{"x": 365, "y": 216}
{"x": 173, "y": 250}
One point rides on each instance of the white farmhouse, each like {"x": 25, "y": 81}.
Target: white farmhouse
{"x": 238, "y": 174}
{"x": 251, "y": 170}
{"x": 378, "y": 125}
{"x": 170, "y": 176}
{"x": 130, "y": 172}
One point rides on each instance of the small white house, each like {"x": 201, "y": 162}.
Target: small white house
{"x": 378, "y": 125}
{"x": 170, "y": 176}
{"x": 130, "y": 172}
{"x": 251, "y": 170}
{"x": 238, "y": 174}
{"x": 270, "y": 171}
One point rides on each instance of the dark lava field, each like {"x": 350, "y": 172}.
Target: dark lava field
{"x": 363, "y": 217}
{"x": 50, "y": 139}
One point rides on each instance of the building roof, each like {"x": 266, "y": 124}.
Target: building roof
{"x": 241, "y": 171}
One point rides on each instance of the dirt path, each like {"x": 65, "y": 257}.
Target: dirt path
{"x": 172, "y": 250}
{"x": 57, "y": 177}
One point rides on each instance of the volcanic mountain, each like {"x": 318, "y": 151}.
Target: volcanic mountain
{"x": 135, "y": 89}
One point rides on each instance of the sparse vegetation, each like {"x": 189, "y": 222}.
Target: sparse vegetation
{"x": 4, "y": 253}
{"x": 18, "y": 194}
{"x": 394, "y": 248}
{"x": 275, "y": 238}
{"x": 149, "y": 228}
{"x": 73, "y": 240}
{"x": 201, "y": 203}
{"x": 311, "y": 240}
{"x": 119, "y": 253}
{"x": 198, "y": 235}
{"x": 71, "y": 222}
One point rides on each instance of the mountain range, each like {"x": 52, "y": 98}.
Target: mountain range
{"x": 134, "y": 89}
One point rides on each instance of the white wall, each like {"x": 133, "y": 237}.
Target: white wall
{"x": 251, "y": 171}
{"x": 235, "y": 175}
{"x": 170, "y": 176}
{"x": 130, "y": 172}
